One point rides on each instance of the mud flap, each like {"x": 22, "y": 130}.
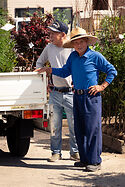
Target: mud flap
{"x": 26, "y": 127}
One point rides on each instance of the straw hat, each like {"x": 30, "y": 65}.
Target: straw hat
{"x": 78, "y": 33}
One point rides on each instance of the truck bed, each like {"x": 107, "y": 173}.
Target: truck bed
{"x": 22, "y": 91}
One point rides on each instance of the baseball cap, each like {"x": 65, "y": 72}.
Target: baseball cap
{"x": 59, "y": 26}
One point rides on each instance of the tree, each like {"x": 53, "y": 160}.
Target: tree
{"x": 7, "y": 53}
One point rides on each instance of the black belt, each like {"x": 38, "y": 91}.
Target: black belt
{"x": 62, "y": 90}
{"x": 81, "y": 92}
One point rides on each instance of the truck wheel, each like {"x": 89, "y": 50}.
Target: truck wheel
{"x": 17, "y": 145}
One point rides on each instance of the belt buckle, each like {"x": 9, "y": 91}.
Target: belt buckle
{"x": 70, "y": 89}
{"x": 80, "y": 92}
{"x": 60, "y": 91}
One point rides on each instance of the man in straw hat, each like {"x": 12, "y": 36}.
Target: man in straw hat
{"x": 84, "y": 65}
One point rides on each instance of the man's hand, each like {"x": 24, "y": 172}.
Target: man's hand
{"x": 93, "y": 90}
{"x": 47, "y": 69}
{"x": 50, "y": 87}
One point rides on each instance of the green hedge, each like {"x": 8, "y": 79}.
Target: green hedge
{"x": 113, "y": 48}
{"x": 7, "y": 53}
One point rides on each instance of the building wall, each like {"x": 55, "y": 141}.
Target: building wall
{"x": 118, "y": 3}
{"x": 46, "y": 4}
{"x": 83, "y": 8}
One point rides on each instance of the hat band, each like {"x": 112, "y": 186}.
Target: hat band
{"x": 78, "y": 35}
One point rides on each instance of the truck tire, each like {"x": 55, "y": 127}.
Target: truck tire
{"x": 18, "y": 146}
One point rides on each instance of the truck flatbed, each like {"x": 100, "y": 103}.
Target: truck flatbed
{"x": 22, "y": 91}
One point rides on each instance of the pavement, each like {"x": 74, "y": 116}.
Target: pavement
{"x": 35, "y": 171}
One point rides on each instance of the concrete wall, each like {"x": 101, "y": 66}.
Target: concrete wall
{"x": 48, "y": 5}
{"x": 118, "y": 3}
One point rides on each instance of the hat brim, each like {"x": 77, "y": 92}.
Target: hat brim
{"x": 91, "y": 41}
{"x": 53, "y": 29}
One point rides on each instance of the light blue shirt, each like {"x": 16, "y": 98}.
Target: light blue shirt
{"x": 85, "y": 69}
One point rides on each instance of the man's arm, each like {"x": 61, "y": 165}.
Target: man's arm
{"x": 63, "y": 72}
{"x": 42, "y": 59}
{"x": 104, "y": 66}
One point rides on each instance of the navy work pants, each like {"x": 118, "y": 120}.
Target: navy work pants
{"x": 87, "y": 125}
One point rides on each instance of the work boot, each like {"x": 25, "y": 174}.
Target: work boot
{"x": 54, "y": 157}
{"x": 80, "y": 164}
{"x": 75, "y": 156}
{"x": 93, "y": 168}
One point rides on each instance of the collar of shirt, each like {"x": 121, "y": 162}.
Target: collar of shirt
{"x": 86, "y": 54}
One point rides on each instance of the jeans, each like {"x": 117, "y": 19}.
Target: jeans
{"x": 60, "y": 101}
{"x": 87, "y": 124}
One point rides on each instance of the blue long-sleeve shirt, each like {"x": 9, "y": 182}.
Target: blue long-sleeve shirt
{"x": 85, "y": 69}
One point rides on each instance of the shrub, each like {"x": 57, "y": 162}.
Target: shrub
{"x": 7, "y": 53}
{"x": 31, "y": 39}
{"x": 113, "y": 48}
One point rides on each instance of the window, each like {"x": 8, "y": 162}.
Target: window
{"x": 100, "y": 4}
{"x": 26, "y": 12}
{"x": 3, "y": 4}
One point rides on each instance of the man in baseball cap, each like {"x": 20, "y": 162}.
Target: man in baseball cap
{"x": 61, "y": 95}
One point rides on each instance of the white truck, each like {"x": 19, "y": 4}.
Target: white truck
{"x": 19, "y": 21}
{"x": 23, "y": 98}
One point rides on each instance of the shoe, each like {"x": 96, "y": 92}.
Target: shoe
{"x": 80, "y": 164}
{"x": 93, "y": 168}
{"x": 75, "y": 156}
{"x": 54, "y": 157}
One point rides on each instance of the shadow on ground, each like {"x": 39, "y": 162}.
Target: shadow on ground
{"x": 6, "y": 159}
{"x": 95, "y": 180}
{"x": 107, "y": 179}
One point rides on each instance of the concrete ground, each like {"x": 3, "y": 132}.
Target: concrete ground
{"x": 34, "y": 171}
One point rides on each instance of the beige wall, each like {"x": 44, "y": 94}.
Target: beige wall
{"x": 48, "y": 5}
